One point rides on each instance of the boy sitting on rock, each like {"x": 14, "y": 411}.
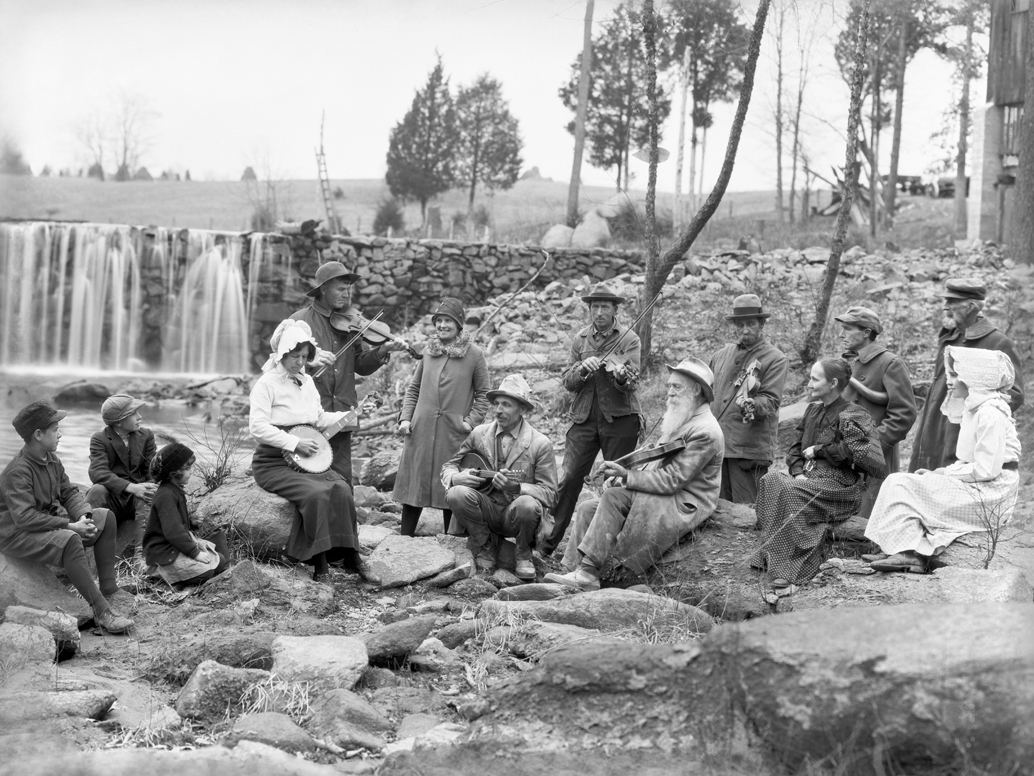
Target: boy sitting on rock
{"x": 120, "y": 458}
{"x": 44, "y": 518}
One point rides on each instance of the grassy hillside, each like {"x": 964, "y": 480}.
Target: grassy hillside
{"x": 520, "y": 215}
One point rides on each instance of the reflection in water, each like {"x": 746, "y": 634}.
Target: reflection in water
{"x": 170, "y": 419}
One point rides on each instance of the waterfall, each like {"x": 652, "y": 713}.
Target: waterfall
{"x": 115, "y": 297}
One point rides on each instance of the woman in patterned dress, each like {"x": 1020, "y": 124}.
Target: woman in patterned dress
{"x": 836, "y": 447}
{"x": 917, "y": 515}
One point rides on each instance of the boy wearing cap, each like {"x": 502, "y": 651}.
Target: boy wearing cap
{"x": 330, "y": 296}
{"x": 964, "y": 325}
{"x": 605, "y": 414}
{"x": 880, "y": 384}
{"x": 44, "y": 518}
{"x": 749, "y": 376}
{"x": 120, "y": 459}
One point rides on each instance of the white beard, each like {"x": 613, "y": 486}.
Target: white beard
{"x": 678, "y": 412}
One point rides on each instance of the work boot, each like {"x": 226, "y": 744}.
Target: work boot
{"x": 484, "y": 554}
{"x": 525, "y": 570}
{"x": 111, "y": 622}
{"x": 579, "y": 579}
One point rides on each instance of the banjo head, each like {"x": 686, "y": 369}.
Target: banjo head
{"x": 316, "y": 463}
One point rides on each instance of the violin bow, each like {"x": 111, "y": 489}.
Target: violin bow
{"x": 611, "y": 350}
{"x": 348, "y": 344}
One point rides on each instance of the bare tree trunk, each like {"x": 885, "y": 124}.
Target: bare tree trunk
{"x": 692, "y": 163}
{"x": 1021, "y": 234}
{"x": 813, "y": 341}
{"x": 650, "y": 39}
{"x": 961, "y": 220}
{"x": 780, "y": 24}
{"x": 657, "y": 270}
{"x": 874, "y": 159}
{"x": 579, "y": 119}
{"x": 676, "y": 214}
{"x": 891, "y": 192}
{"x": 703, "y": 150}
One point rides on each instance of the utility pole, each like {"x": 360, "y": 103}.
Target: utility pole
{"x": 579, "y": 119}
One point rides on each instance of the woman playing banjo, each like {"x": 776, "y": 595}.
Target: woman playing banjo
{"x": 285, "y": 396}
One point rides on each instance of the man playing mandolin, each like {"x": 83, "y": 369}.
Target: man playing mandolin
{"x": 502, "y": 479}
{"x": 605, "y": 416}
{"x": 645, "y": 512}
{"x": 331, "y": 329}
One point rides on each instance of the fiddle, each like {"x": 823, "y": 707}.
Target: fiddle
{"x": 644, "y": 456}
{"x": 374, "y": 332}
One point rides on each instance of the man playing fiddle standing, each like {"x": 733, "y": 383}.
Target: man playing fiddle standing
{"x": 606, "y": 411}
{"x": 325, "y": 315}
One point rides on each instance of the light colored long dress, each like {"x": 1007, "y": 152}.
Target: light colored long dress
{"x": 927, "y": 512}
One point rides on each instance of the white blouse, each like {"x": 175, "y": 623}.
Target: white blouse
{"x": 987, "y": 440}
{"x": 278, "y": 400}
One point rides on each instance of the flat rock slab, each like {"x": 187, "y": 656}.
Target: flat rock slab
{"x": 63, "y": 627}
{"x": 372, "y": 535}
{"x": 213, "y": 687}
{"x": 399, "y": 639}
{"x": 536, "y": 591}
{"x": 270, "y": 728}
{"x": 23, "y": 583}
{"x": 402, "y": 560}
{"x": 534, "y": 639}
{"x": 263, "y": 520}
{"x": 88, "y": 704}
{"x": 329, "y": 662}
{"x": 413, "y": 725}
{"x": 610, "y": 609}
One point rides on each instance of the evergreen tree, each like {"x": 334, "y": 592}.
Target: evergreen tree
{"x": 422, "y": 146}
{"x": 489, "y": 144}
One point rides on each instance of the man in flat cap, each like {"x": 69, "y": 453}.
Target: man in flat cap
{"x": 647, "y": 510}
{"x": 120, "y": 459}
{"x": 522, "y": 486}
{"x": 881, "y": 385}
{"x": 749, "y": 376}
{"x": 964, "y": 326}
{"x": 605, "y": 415}
{"x": 44, "y": 518}
{"x": 330, "y": 295}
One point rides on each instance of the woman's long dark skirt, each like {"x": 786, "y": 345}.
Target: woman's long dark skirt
{"x": 326, "y": 516}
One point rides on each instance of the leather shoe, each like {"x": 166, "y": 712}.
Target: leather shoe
{"x": 908, "y": 562}
{"x": 111, "y": 622}
{"x": 579, "y": 579}
{"x": 525, "y": 570}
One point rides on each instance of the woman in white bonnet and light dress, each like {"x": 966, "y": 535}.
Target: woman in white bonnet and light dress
{"x": 285, "y": 396}
{"x": 917, "y": 515}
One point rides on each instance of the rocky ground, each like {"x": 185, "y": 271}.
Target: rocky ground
{"x": 430, "y": 668}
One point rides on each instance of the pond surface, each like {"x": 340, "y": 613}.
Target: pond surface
{"x": 199, "y": 426}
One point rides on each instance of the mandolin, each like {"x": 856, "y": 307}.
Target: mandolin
{"x": 478, "y": 466}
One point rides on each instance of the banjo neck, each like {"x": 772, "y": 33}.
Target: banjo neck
{"x": 351, "y": 416}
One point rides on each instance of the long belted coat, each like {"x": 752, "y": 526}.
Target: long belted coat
{"x": 447, "y": 389}
{"x": 881, "y": 370}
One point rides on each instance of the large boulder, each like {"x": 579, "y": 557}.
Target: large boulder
{"x": 610, "y": 609}
{"x": 380, "y": 471}
{"x": 348, "y": 720}
{"x": 557, "y": 236}
{"x": 23, "y": 645}
{"x": 789, "y": 416}
{"x": 213, "y": 687}
{"x": 397, "y": 640}
{"x": 229, "y": 646}
{"x": 82, "y": 392}
{"x": 329, "y": 662}
{"x": 592, "y": 232}
{"x": 63, "y": 627}
{"x": 24, "y": 583}
{"x": 262, "y": 519}
{"x": 402, "y": 560}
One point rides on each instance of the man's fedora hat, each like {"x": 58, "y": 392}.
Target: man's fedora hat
{"x": 602, "y": 292}
{"x": 747, "y": 306}
{"x": 697, "y": 370}
{"x": 862, "y": 317}
{"x": 516, "y": 387}
{"x": 329, "y": 271}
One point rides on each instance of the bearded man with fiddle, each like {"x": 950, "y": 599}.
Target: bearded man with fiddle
{"x": 644, "y": 512}
{"x": 332, "y": 328}
{"x": 605, "y": 415}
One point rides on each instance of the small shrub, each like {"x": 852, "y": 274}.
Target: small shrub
{"x": 389, "y": 214}
{"x": 480, "y": 217}
{"x": 219, "y": 452}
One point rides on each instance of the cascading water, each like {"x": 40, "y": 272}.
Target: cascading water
{"x": 102, "y": 296}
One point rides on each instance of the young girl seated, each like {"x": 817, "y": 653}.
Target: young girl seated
{"x": 171, "y": 549}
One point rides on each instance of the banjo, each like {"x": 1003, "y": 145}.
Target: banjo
{"x": 320, "y": 461}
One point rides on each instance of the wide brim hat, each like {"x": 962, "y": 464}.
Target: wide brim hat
{"x": 697, "y": 370}
{"x": 747, "y": 306}
{"x": 451, "y": 307}
{"x": 329, "y": 271}
{"x": 602, "y": 292}
{"x": 863, "y": 317}
{"x": 516, "y": 387}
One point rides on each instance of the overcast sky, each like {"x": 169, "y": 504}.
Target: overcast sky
{"x": 239, "y": 82}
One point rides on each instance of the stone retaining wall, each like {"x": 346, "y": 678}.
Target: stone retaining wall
{"x": 406, "y": 278}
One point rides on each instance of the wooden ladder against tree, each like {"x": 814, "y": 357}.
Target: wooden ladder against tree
{"x": 333, "y": 221}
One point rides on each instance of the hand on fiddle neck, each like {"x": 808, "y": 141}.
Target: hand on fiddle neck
{"x": 394, "y": 345}
{"x": 611, "y": 469}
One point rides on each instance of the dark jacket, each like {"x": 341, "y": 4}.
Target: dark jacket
{"x": 168, "y": 527}
{"x": 115, "y": 466}
{"x": 615, "y": 399}
{"x": 842, "y": 432}
{"x": 756, "y": 440}
{"x": 936, "y": 436}
{"x": 877, "y": 368}
{"x": 336, "y": 386}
